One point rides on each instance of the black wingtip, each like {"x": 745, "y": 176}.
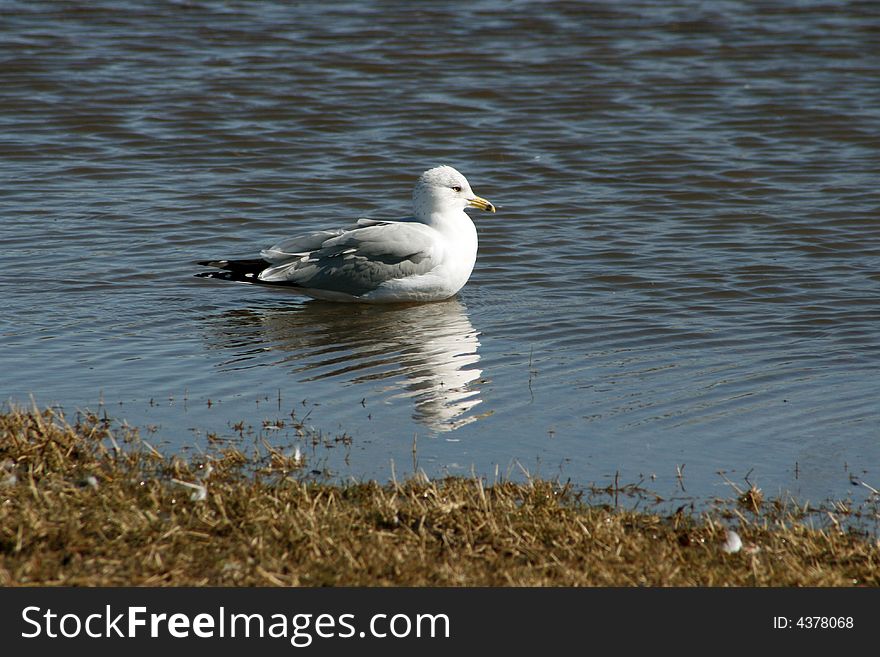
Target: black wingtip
{"x": 242, "y": 271}
{"x": 221, "y": 275}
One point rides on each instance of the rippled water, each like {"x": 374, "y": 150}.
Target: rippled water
{"x": 684, "y": 269}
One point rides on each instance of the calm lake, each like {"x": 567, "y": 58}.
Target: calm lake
{"x": 683, "y": 274}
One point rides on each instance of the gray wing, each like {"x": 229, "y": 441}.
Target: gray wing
{"x": 354, "y": 261}
{"x": 304, "y": 244}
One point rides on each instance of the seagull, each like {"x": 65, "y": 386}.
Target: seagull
{"x": 426, "y": 257}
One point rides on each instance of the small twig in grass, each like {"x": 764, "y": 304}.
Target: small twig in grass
{"x": 616, "y": 486}
{"x": 152, "y": 449}
{"x": 679, "y": 474}
{"x": 200, "y": 491}
{"x": 415, "y": 453}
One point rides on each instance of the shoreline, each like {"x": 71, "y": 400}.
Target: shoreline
{"x": 88, "y": 504}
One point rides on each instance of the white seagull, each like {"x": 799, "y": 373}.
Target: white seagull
{"x": 427, "y": 257}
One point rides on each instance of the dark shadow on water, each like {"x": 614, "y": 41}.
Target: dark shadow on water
{"x": 424, "y": 354}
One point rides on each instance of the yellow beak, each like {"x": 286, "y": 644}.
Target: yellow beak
{"x": 480, "y": 204}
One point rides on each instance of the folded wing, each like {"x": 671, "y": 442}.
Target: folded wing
{"x": 354, "y": 261}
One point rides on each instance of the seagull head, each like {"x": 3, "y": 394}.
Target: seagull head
{"x": 443, "y": 189}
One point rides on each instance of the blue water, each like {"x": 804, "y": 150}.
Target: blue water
{"x": 682, "y": 275}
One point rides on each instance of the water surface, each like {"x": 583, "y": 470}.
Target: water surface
{"x": 683, "y": 271}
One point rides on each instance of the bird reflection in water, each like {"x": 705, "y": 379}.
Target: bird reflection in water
{"x": 426, "y": 353}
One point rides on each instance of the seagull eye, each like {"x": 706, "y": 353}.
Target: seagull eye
{"x": 456, "y": 188}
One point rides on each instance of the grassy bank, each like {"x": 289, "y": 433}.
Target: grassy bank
{"x": 86, "y": 504}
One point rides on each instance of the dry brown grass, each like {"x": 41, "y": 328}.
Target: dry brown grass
{"x": 88, "y": 505}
